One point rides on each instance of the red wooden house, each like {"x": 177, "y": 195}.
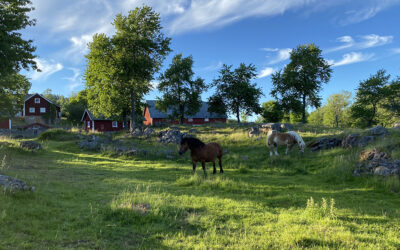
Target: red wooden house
{"x": 5, "y": 123}
{"x": 153, "y": 116}
{"x": 93, "y": 123}
{"x": 36, "y": 107}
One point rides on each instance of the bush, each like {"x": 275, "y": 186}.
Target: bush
{"x": 57, "y": 134}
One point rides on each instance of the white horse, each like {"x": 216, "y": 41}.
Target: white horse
{"x": 290, "y": 138}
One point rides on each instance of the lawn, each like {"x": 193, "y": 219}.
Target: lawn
{"x": 100, "y": 200}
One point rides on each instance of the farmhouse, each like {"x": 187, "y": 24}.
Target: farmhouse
{"x": 153, "y": 116}
{"x": 38, "y": 109}
{"x": 101, "y": 124}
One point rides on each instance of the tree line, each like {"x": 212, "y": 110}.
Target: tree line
{"x": 121, "y": 68}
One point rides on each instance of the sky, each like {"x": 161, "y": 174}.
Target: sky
{"x": 357, "y": 37}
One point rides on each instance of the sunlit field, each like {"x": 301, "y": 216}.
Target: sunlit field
{"x": 102, "y": 200}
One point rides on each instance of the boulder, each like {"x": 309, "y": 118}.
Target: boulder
{"x": 324, "y": 143}
{"x": 350, "y": 141}
{"x": 381, "y": 170}
{"x": 287, "y": 126}
{"x": 31, "y": 145}
{"x": 137, "y": 132}
{"x": 11, "y": 184}
{"x": 377, "y": 162}
{"x": 271, "y": 126}
{"x": 148, "y": 132}
{"x": 396, "y": 125}
{"x": 254, "y": 131}
{"x": 378, "y": 131}
{"x": 171, "y": 136}
{"x": 365, "y": 140}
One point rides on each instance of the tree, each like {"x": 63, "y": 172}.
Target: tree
{"x": 271, "y": 112}
{"x": 301, "y": 80}
{"x": 15, "y": 54}
{"x": 120, "y": 68}
{"x": 317, "y": 116}
{"x": 180, "y": 91}
{"x": 369, "y": 94}
{"x": 392, "y": 97}
{"x": 235, "y": 92}
{"x": 75, "y": 107}
{"x": 336, "y": 108}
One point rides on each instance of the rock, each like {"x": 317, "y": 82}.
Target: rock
{"x": 365, "y": 140}
{"x": 270, "y": 126}
{"x": 287, "y": 126}
{"x": 324, "y": 143}
{"x": 171, "y": 136}
{"x": 31, "y": 145}
{"x": 11, "y": 184}
{"x": 381, "y": 170}
{"x": 131, "y": 152}
{"x": 396, "y": 125}
{"x": 254, "y": 131}
{"x": 350, "y": 141}
{"x": 193, "y": 131}
{"x": 374, "y": 154}
{"x": 148, "y": 132}
{"x": 137, "y": 132}
{"x": 378, "y": 131}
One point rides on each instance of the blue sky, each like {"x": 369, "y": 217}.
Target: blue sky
{"x": 357, "y": 37}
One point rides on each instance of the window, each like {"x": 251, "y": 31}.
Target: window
{"x": 37, "y": 100}
{"x": 88, "y": 124}
{"x": 206, "y": 120}
{"x": 190, "y": 119}
{"x": 31, "y": 110}
{"x": 115, "y": 124}
{"x": 42, "y": 110}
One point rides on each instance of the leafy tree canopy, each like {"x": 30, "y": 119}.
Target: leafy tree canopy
{"x": 271, "y": 112}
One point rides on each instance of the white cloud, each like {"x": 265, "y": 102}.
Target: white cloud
{"x": 350, "y": 58}
{"x": 266, "y": 72}
{"x": 154, "y": 83}
{"x": 47, "y": 69}
{"x": 170, "y": 7}
{"x": 282, "y": 55}
{"x": 396, "y": 50}
{"x": 364, "y": 42}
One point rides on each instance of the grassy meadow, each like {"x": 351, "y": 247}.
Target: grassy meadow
{"x": 102, "y": 200}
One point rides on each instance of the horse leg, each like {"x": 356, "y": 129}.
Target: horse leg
{"x": 289, "y": 147}
{"x": 276, "y": 149}
{"x": 203, "y": 164}
{"x": 221, "y": 171}
{"x": 194, "y": 167}
{"x": 214, "y": 170}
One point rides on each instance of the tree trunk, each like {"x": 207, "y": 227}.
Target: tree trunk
{"x": 182, "y": 114}
{"x": 238, "y": 115}
{"x": 303, "y": 118}
{"x": 133, "y": 118}
{"x": 337, "y": 121}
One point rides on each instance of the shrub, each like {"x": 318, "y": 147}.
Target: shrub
{"x": 56, "y": 135}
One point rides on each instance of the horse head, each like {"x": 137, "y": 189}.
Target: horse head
{"x": 184, "y": 146}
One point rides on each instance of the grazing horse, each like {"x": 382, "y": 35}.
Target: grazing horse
{"x": 290, "y": 138}
{"x": 203, "y": 153}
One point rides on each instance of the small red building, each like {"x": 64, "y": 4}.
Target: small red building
{"x": 92, "y": 123}
{"x": 153, "y": 116}
{"x": 5, "y": 123}
{"x": 36, "y": 107}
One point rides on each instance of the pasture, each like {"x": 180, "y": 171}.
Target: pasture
{"x": 87, "y": 199}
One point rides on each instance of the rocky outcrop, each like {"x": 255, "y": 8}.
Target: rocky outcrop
{"x": 324, "y": 143}
{"x": 356, "y": 140}
{"x": 376, "y": 162}
{"x": 378, "y": 131}
{"x": 171, "y": 136}
{"x": 30, "y": 145}
{"x": 148, "y": 132}
{"x": 264, "y": 128}
{"x": 12, "y": 184}
{"x": 287, "y": 126}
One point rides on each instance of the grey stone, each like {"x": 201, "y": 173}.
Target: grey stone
{"x": 171, "y": 136}
{"x": 365, "y": 140}
{"x": 11, "y": 184}
{"x": 324, "y": 143}
{"x": 350, "y": 141}
{"x": 148, "y": 132}
{"x": 270, "y": 126}
{"x": 287, "y": 126}
{"x": 381, "y": 170}
{"x": 396, "y": 125}
{"x": 378, "y": 131}
{"x": 31, "y": 145}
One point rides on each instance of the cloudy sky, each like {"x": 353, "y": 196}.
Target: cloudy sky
{"x": 357, "y": 37}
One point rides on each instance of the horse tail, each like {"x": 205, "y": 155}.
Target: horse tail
{"x": 298, "y": 138}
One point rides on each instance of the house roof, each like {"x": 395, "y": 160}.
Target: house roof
{"x": 94, "y": 118}
{"x": 29, "y": 96}
{"x": 203, "y": 112}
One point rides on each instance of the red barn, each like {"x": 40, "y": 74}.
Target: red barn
{"x": 153, "y": 116}
{"x": 36, "y": 107}
{"x": 92, "y": 123}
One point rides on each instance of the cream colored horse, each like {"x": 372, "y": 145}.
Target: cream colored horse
{"x": 290, "y": 138}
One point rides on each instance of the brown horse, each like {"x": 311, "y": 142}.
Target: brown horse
{"x": 203, "y": 153}
{"x": 290, "y": 138}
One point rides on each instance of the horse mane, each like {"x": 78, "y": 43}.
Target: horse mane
{"x": 297, "y": 138}
{"x": 192, "y": 142}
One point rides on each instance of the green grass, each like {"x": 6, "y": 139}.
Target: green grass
{"x": 90, "y": 200}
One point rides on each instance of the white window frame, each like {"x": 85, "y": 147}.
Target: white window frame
{"x": 206, "y": 119}
{"x": 37, "y": 100}
{"x": 115, "y": 124}
{"x": 31, "y": 110}
{"x": 88, "y": 124}
{"x": 42, "y": 110}
{"x": 190, "y": 120}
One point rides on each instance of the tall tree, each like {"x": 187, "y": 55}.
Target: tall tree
{"x": 301, "y": 80}
{"x": 391, "y": 101}
{"x": 271, "y": 112}
{"x": 369, "y": 94}
{"x": 120, "y": 68}
{"x": 15, "y": 54}
{"x": 235, "y": 92}
{"x": 75, "y": 107}
{"x": 180, "y": 91}
{"x": 336, "y": 108}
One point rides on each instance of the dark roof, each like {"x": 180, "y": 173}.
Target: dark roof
{"x": 28, "y": 96}
{"x": 94, "y": 118}
{"x": 203, "y": 112}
